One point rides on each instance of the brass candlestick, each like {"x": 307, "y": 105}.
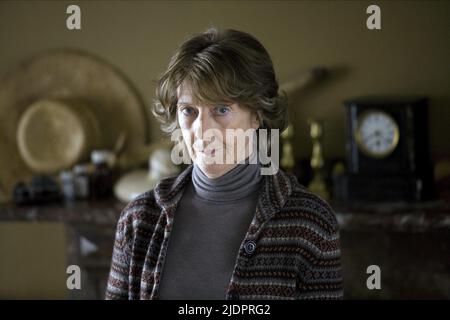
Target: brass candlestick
{"x": 317, "y": 185}
{"x": 287, "y": 155}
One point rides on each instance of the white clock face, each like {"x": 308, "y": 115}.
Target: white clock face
{"x": 377, "y": 133}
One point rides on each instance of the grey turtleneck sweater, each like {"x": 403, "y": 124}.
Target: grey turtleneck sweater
{"x": 210, "y": 224}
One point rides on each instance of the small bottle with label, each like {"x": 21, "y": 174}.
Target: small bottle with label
{"x": 81, "y": 179}
{"x": 67, "y": 185}
{"x": 101, "y": 185}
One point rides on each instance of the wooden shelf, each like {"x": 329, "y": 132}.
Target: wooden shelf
{"x": 398, "y": 217}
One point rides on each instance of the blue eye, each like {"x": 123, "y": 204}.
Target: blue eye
{"x": 222, "y": 110}
{"x": 187, "y": 111}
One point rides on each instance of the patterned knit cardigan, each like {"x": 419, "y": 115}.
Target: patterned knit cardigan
{"x": 297, "y": 252}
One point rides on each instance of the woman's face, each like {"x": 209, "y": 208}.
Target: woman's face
{"x": 204, "y": 130}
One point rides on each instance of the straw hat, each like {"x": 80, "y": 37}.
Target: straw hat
{"x": 58, "y": 106}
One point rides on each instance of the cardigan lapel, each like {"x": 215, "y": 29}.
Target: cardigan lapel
{"x": 274, "y": 193}
{"x": 169, "y": 192}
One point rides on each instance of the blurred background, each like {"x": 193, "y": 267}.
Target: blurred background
{"x": 77, "y": 139}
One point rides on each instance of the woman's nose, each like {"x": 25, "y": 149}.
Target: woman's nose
{"x": 202, "y": 124}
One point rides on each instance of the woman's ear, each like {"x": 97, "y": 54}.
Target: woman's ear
{"x": 256, "y": 122}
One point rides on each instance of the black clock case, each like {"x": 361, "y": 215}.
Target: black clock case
{"x": 407, "y": 173}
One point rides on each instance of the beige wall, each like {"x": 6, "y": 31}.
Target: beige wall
{"x": 410, "y": 55}
{"x": 33, "y": 260}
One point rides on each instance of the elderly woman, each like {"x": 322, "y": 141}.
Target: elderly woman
{"x": 222, "y": 229}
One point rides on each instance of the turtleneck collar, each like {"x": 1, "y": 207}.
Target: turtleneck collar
{"x": 238, "y": 183}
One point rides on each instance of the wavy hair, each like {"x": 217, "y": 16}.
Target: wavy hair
{"x": 227, "y": 66}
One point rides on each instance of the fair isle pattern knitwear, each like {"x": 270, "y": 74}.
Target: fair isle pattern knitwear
{"x": 293, "y": 237}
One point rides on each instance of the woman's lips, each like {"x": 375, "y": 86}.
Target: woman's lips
{"x": 209, "y": 152}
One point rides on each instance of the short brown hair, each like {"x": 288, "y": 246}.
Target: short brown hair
{"x": 222, "y": 66}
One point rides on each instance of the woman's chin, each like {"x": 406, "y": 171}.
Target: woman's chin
{"x": 213, "y": 170}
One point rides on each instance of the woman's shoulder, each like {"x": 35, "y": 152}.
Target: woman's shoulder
{"x": 147, "y": 206}
{"x": 303, "y": 203}
{"x": 139, "y": 210}
{"x": 143, "y": 201}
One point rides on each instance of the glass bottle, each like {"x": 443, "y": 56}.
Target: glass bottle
{"x": 101, "y": 185}
{"x": 81, "y": 180}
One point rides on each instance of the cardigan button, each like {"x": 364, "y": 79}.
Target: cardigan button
{"x": 250, "y": 247}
